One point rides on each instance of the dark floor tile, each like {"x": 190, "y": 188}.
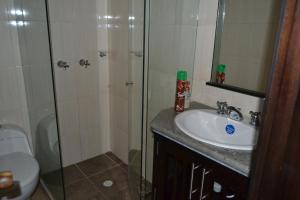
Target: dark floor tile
{"x": 146, "y": 187}
{"x": 53, "y": 177}
{"x": 148, "y": 197}
{"x": 72, "y": 174}
{"x": 82, "y": 190}
{"x": 96, "y": 165}
{"x": 134, "y": 193}
{"x": 114, "y": 157}
{"x": 40, "y": 194}
{"x": 117, "y": 175}
{"x": 120, "y": 195}
{"x": 135, "y": 156}
{"x": 124, "y": 166}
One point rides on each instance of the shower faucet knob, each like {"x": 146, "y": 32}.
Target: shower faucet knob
{"x": 84, "y": 63}
{"x": 102, "y": 54}
{"x": 63, "y": 64}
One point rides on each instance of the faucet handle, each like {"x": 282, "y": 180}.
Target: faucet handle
{"x": 252, "y": 113}
{"x": 222, "y": 107}
{"x": 221, "y": 103}
{"x": 255, "y": 118}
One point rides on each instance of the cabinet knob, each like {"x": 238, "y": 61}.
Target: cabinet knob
{"x": 230, "y": 196}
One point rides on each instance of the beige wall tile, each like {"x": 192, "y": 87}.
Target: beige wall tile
{"x": 13, "y": 102}
{"x": 119, "y": 143}
{"x": 79, "y": 31}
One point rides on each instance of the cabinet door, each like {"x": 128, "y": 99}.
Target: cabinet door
{"x": 178, "y": 172}
{"x": 233, "y": 185}
{"x": 181, "y": 174}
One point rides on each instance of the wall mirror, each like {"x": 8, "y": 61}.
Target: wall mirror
{"x": 244, "y": 44}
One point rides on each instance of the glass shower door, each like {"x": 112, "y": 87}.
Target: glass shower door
{"x": 135, "y": 87}
{"x": 171, "y": 46}
{"x": 34, "y": 46}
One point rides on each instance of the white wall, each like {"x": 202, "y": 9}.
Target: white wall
{"x": 118, "y": 75}
{"x": 203, "y": 64}
{"x": 78, "y": 32}
{"x": 13, "y": 104}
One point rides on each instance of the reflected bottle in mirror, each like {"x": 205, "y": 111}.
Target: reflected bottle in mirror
{"x": 220, "y": 75}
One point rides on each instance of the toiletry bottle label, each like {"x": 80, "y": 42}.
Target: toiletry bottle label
{"x": 180, "y": 91}
{"x": 180, "y": 96}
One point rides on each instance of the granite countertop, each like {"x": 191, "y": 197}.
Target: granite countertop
{"x": 164, "y": 125}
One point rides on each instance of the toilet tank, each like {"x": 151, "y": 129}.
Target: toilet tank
{"x": 13, "y": 139}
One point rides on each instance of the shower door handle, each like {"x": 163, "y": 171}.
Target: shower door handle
{"x": 129, "y": 83}
{"x": 137, "y": 53}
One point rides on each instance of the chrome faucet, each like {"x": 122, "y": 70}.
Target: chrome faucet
{"x": 222, "y": 107}
{"x": 232, "y": 112}
{"x": 254, "y": 118}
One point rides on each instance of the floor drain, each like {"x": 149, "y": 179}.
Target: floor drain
{"x": 107, "y": 183}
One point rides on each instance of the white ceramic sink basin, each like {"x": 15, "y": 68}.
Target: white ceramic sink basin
{"x": 209, "y": 127}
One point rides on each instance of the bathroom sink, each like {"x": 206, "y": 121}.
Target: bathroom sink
{"x": 209, "y": 127}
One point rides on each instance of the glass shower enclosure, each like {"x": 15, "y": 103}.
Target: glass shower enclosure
{"x": 162, "y": 35}
{"x": 162, "y": 40}
{"x": 171, "y": 44}
{"x": 136, "y": 97}
{"x": 29, "y": 19}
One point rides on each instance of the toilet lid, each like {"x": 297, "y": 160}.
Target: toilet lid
{"x": 23, "y": 166}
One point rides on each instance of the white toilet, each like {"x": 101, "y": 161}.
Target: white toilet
{"x": 16, "y": 156}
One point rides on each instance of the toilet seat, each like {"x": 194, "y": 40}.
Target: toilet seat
{"x": 24, "y": 167}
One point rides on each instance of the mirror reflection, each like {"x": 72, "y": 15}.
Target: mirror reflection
{"x": 244, "y": 43}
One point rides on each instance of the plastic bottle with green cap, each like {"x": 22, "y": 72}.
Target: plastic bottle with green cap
{"x": 220, "y": 75}
{"x": 182, "y": 75}
{"x": 180, "y": 90}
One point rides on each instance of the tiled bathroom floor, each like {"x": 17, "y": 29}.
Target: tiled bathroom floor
{"x": 84, "y": 180}
{"x": 40, "y": 194}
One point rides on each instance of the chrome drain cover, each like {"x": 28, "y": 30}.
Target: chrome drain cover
{"x": 107, "y": 183}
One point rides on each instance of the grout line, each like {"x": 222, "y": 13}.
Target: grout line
{"x": 78, "y": 180}
{"x": 75, "y": 181}
{"x": 88, "y": 177}
{"x": 46, "y": 190}
{"x": 80, "y": 170}
{"x": 90, "y": 181}
{"x": 101, "y": 172}
{"x": 118, "y": 164}
{"x": 111, "y": 158}
{"x": 124, "y": 168}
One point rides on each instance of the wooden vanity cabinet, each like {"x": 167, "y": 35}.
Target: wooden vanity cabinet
{"x": 182, "y": 174}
